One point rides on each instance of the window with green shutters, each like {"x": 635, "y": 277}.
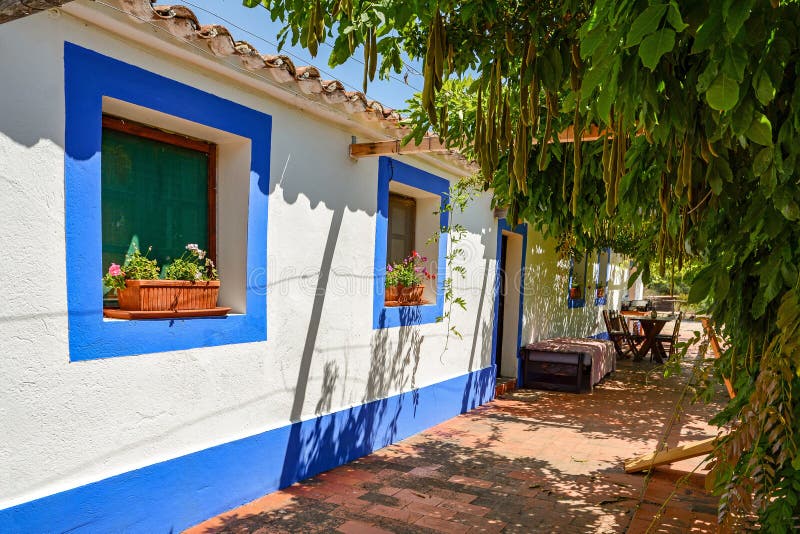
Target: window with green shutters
{"x": 402, "y": 224}
{"x": 157, "y": 191}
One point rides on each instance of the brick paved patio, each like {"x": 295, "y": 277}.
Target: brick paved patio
{"x": 530, "y": 461}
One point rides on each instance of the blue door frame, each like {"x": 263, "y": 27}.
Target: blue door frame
{"x": 522, "y": 230}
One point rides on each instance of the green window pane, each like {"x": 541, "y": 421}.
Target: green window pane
{"x": 154, "y": 194}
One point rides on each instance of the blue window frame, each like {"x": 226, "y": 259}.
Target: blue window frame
{"x": 382, "y": 317}
{"x": 574, "y": 275}
{"x": 88, "y": 77}
{"x": 603, "y": 275}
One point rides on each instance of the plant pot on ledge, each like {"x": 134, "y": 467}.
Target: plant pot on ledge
{"x": 391, "y": 294}
{"x": 168, "y": 295}
{"x": 411, "y": 295}
{"x": 156, "y": 299}
{"x": 574, "y": 293}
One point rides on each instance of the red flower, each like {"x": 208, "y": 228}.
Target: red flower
{"x": 414, "y": 254}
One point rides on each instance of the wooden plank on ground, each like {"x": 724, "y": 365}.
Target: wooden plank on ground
{"x": 713, "y": 343}
{"x": 681, "y": 452}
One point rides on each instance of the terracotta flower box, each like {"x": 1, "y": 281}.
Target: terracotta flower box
{"x": 168, "y": 295}
{"x": 574, "y": 293}
{"x": 410, "y": 295}
{"x": 391, "y": 294}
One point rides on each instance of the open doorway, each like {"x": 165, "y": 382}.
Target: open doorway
{"x": 509, "y": 300}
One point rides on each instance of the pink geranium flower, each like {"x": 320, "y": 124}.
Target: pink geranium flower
{"x": 114, "y": 270}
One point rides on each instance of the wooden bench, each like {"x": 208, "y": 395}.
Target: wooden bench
{"x": 573, "y": 364}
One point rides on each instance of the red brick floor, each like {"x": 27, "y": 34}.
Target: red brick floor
{"x": 530, "y": 461}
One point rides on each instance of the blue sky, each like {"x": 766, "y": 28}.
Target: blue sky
{"x": 255, "y": 27}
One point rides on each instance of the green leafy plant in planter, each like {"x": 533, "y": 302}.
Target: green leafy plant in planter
{"x": 189, "y": 283}
{"x": 391, "y": 283}
{"x": 192, "y": 265}
{"x": 137, "y": 266}
{"x": 408, "y": 277}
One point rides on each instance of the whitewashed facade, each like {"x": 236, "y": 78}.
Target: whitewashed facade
{"x": 155, "y": 428}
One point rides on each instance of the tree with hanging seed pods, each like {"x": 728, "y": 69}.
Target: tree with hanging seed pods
{"x": 697, "y": 107}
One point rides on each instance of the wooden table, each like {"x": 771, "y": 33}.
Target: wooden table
{"x": 651, "y": 327}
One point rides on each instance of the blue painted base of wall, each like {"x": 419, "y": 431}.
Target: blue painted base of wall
{"x": 173, "y": 495}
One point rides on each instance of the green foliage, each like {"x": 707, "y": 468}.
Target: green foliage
{"x": 137, "y": 266}
{"x": 410, "y": 272}
{"x": 192, "y": 265}
{"x": 699, "y": 102}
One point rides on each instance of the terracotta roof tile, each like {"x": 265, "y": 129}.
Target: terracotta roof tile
{"x": 181, "y": 22}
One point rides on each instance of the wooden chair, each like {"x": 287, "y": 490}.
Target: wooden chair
{"x": 668, "y": 341}
{"x": 630, "y": 340}
{"x": 619, "y": 335}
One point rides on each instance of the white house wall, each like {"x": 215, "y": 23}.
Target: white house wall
{"x": 66, "y": 424}
{"x": 545, "y": 311}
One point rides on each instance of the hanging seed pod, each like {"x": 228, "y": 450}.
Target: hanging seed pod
{"x": 576, "y": 155}
{"x": 679, "y": 182}
{"x": 479, "y": 125}
{"x": 622, "y": 146}
{"x": 510, "y": 162}
{"x": 663, "y": 194}
{"x": 373, "y": 54}
{"x": 524, "y": 103}
{"x": 687, "y": 168}
{"x": 311, "y": 31}
{"x": 533, "y": 95}
{"x": 548, "y": 131}
{"x": 704, "y": 152}
{"x": 606, "y": 159}
{"x": 510, "y": 45}
{"x": 366, "y": 63}
{"x": 508, "y": 128}
{"x": 575, "y": 51}
{"x": 520, "y": 157}
{"x": 443, "y": 119}
{"x": 503, "y": 138}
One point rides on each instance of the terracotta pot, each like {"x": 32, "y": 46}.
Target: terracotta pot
{"x": 574, "y": 293}
{"x": 164, "y": 295}
{"x": 411, "y": 295}
{"x": 391, "y": 293}
{"x": 601, "y": 292}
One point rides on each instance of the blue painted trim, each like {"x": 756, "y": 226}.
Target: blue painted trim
{"x": 576, "y": 303}
{"x": 173, "y": 495}
{"x": 521, "y": 229}
{"x": 601, "y": 301}
{"x": 601, "y": 335}
{"x": 383, "y": 317}
{"x": 88, "y": 76}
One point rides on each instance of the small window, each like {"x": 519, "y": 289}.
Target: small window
{"x": 603, "y": 276}
{"x": 402, "y": 226}
{"x": 577, "y": 282}
{"x": 157, "y": 190}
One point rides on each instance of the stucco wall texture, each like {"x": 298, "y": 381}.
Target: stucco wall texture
{"x": 64, "y": 424}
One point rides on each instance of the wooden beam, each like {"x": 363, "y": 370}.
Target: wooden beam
{"x": 432, "y": 143}
{"x": 681, "y": 452}
{"x": 713, "y": 343}
{"x": 429, "y": 143}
